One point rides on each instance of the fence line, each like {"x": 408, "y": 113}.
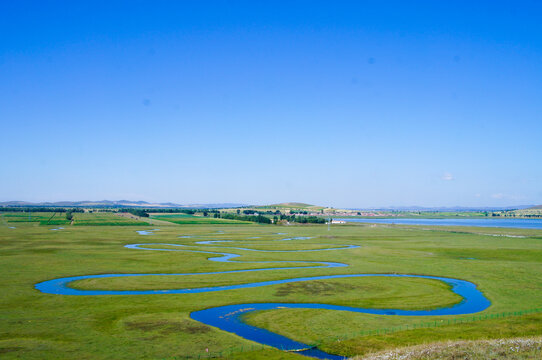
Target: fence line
{"x": 381, "y": 331}
{"x": 436, "y": 323}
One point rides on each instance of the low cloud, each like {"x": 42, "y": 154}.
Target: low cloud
{"x": 497, "y": 196}
{"x": 447, "y": 176}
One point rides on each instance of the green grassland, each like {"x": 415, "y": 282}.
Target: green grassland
{"x": 104, "y": 219}
{"x": 79, "y": 219}
{"x": 42, "y": 218}
{"x": 184, "y": 219}
{"x": 37, "y": 326}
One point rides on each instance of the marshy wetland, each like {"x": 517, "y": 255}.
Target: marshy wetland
{"x": 320, "y": 287}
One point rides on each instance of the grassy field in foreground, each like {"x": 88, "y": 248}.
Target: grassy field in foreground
{"x": 510, "y": 349}
{"x": 37, "y": 326}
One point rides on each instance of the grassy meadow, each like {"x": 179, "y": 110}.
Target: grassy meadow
{"x": 41, "y": 218}
{"x": 37, "y": 326}
{"x": 185, "y": 219}
{"x": 104, "y": 219}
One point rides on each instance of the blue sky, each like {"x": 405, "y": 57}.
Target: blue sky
{"x": 347, "y": 104}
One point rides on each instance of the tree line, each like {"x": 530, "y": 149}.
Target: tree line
{"x": 253, "y": 218}
{"x": 303, "y": 219}
{"x": 136, "y": 212}
{"x": 173, "y": 210}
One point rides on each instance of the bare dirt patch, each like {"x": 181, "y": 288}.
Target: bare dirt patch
{"x": 314, "y": 288}
{"x": 166, "y": 327}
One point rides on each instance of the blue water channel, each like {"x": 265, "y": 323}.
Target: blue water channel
{"x": 230, "y": 318}
{"x": 500, "y": 223}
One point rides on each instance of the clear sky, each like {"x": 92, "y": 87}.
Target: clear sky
{"x": 347, "y": 104}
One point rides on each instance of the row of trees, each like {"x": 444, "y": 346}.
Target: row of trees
{"x": 136, "y": 212}
{"x": 173, "y": 210}
{"x": 252, "y": 212}
{"x": 254, "y": 218}
{"x": 518, "y": 215}
{"x": 303, "y": 219}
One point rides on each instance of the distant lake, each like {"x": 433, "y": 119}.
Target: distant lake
{"x": 508, "y": 223}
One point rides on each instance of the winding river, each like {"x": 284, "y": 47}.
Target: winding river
{"x": 230, "y": 317}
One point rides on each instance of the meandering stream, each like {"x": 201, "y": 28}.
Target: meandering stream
{"x": 229, "y": 318}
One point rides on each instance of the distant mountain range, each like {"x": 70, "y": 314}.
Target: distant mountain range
{"x": 452, "y": 208}
{"x": 119, "y": 203}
